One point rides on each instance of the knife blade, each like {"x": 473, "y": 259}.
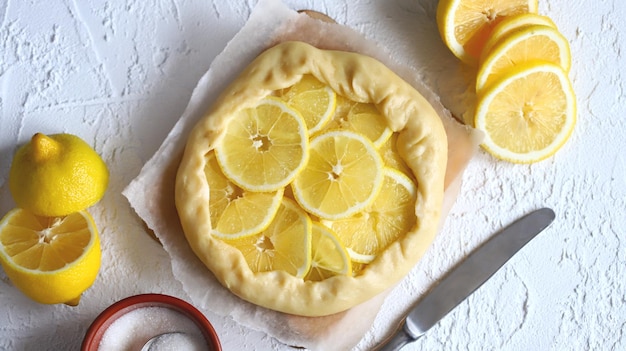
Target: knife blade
{"x": 468, "y": 276}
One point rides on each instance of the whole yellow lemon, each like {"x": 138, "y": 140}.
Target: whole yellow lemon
{"x": 57, "y": 175}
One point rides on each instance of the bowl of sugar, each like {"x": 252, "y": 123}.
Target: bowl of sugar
{"x": 131, "y": 322}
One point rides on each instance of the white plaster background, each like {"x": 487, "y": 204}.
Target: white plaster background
{"x": 119, "y": 73}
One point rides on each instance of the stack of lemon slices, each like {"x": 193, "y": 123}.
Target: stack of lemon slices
{"x": 309, "y": 182}
{"x": 525, "y": 101}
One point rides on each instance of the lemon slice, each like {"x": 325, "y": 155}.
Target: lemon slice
{"x": 315, "y": 101}
{"x": 283, "y": 246}
{"x": 465, "y": 25}
{"x": 263, "y": 148}
{"x": 514, "y": 22}
{"x": 389, "y": 153}
{"x": 329, "y": 257}
{"x": 50, "y": 259}
{"x": 361, "y": 118}
{"x": 342, "y": 177}
{"x": 236, "y": 212}
{"x": 390, "y": 216}
{"x": 533, "y": 42}
{"x": 528, "y": 114}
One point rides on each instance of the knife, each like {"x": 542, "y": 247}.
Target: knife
{"x": 468, "y": 276}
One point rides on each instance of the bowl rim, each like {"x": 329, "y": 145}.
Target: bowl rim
{"x": 101, "y": 323}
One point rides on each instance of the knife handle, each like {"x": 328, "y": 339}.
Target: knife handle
{"x": 397, "y": 341}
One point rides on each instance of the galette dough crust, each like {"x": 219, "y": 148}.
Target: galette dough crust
{"x": 421, "y": 142}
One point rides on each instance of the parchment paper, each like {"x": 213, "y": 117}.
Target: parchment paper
{"x": 151, "y": 194}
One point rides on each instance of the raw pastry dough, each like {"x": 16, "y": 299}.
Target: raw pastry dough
{"x": 421, "y": 142}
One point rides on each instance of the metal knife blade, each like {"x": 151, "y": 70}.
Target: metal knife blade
{"x": 468, "y": 276}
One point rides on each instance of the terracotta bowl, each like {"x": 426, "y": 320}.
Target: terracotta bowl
{"x": 96, "y": 330}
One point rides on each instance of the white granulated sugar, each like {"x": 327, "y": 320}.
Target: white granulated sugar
{"x": 132, "y": 330}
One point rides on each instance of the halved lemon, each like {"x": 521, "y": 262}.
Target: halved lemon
{"x": 529, "y": 43}
{"x": 528, "y": 114}
{"x": 50, "y": 259}
{"x": 361, "y": 118}
{"x": 329, "y": 256}
{"x": 390, "y": 216}
{"x": 58, "y": 174}
{"x": 315, "y": 101}
{"x": 236, "y": 212}
{"x": 514, "y": 22}
{"x": 263, "y": 148}
{"x": 343, "y": 175}
{"x": 283, "y": 246}
{"x": 465, "y": 25}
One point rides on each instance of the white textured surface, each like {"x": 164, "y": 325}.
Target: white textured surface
{"x": 119, "y": 74}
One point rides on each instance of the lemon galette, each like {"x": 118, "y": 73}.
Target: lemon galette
{"x": 314, "y": 182}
